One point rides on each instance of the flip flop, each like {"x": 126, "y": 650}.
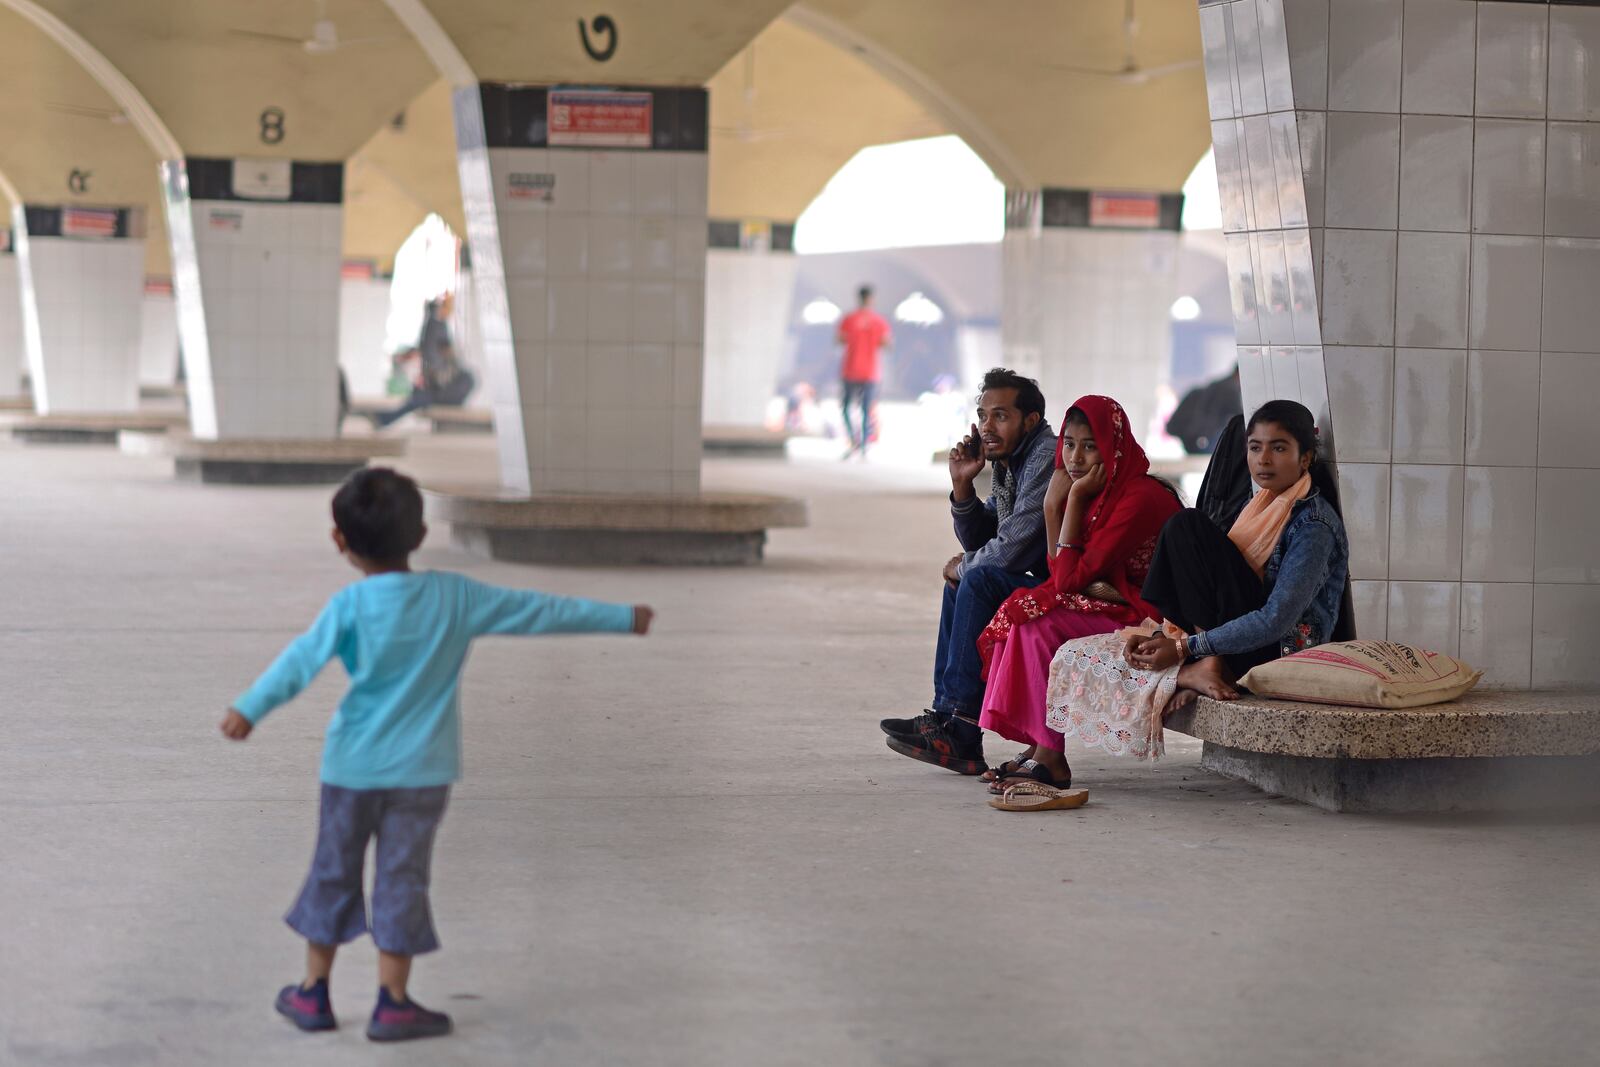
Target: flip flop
{"x": 1035, "y": 796}
{"x": 1028, "y": 771}
{"x": 1009, "y": 767}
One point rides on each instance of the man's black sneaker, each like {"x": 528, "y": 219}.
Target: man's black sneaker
{"x": 928, "y": 720}
{"x": 941, "y": 747}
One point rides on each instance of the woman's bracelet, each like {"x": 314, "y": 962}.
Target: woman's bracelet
{"x": 1183, "y": 650}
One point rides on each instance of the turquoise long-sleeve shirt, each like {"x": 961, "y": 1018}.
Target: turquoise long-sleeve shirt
{"x": 403, "y": 638}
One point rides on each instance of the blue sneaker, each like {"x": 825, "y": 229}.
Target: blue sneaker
{"x": 394, "y": 1020}
{"x": 309, "y": 1009}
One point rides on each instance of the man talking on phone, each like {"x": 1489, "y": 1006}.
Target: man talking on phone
{"x": 1002, "y": 550}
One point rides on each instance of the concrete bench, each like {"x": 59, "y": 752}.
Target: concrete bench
{"x": 708, "y": 528}
{"x": 264, "y": 461}
{"x": 95, "y": 428}
{"x": 458, "y": 420}
{"x": 754, "y": 442}
{"x": 1488, "y": 751}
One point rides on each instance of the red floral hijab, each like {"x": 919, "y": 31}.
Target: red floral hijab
{"x": 1125, "y": 461}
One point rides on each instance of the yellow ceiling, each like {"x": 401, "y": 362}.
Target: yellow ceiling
{"x": 400, "y": 175}
{"x": 999, "y": 65}
{"x": 791, "y": 109}
{"x": 54, "y": 119}
{"x": 211, "y": 84}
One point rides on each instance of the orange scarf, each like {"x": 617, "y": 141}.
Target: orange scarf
{"x": 1256, "y": 531}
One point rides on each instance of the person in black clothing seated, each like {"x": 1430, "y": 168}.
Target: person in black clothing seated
{"x": 441, "y": 379}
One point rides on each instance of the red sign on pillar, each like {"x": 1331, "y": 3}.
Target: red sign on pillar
{"x": 597, "y": 118}
{"x": 1138, "y": 211}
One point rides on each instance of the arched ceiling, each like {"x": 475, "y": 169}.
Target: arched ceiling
{"x": 405, "y": 171}
{"x": 56, "y": 119}
{"x": 207, "y": 71}
{"x": 999, "y": 66}
{"x": 788, "y": 111}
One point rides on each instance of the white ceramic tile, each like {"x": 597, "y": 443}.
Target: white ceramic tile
{"x": 1512, "y": 57}
{"x": 570, "y": 166}
{"x": 1253, "y": 381}
{"x": 1282, "y": 372}
{"x": 691, "y": 183}
{"x": 1306, "y": 25}
{"x": 649, "y": 377}
{"x": 1431, "y": 290}
{"x": 1437, "y": 57}
{"x": 1569, "y": 383}
{"x": 1572, "y": 179}
{"x": 654, "y": 246}
{"x": 529, "y": 300}
{"x": 1504, "y": 310}
{"x": 1363, "y": 170}
{"x": 1508, "y": 161}
{"x": 1278, "y": 322}
{"x": 607, "y": 379}
{"x": 1361, "y": 394}
{"x": 1567, "y": 516}
{"x": 1314, "y": 386}
{"x": 1563, "y": 636}
{"x": 655, "y": 183}
{"x": 1302, "y": 286}
{"x": 1287, "y": 175}
{"x": 1574, "y": 74}
{"x": 568, "y": 245}
{"x": 525, "y": 241}
{"x": 1426, "y": 615}
{"x": 566, "y": 375}
{"x": 1435, "y": 172}
{"x": 1425, "y": 522}
{"x": 651, "y": 318}
{"x": 1262, "y": 274}
{"x": 1358, "y": 274}
{"x": 1242, "y": 289}
{"x": 1364, "y": 498}
{"x": 1430, "y": 405}
{"x": 1232, "y": 183}
{"x": 1275, "y": 55}
{"x": 1498, "y": 516}
{"x": 610, "y": 307}
{"x": 610, "y": 246}
{"x": 686, "y": 440}
{"x": 1312, "y": 127}
{"x": 689, "y": 248}
{"x": 611, "y": 183}
{"x": 1571, "y": 283}
{"x": 1218, "y": 61}
{"x": 689, "y": 311}
{"x": 687, "y": 365}
{"x": 1502, "y": 406}
{"x": 1263, "y": 184}
{"x": 1364, "y": 56}
{"x": 569, "y": 310}
{"x": 1251, "y": 81}
{"x": 1370, "y": 600}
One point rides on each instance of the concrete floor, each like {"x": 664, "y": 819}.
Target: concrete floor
{"x": 695, "y": 849}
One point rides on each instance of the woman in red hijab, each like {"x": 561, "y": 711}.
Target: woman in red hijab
{"x": 1103, "y": 512}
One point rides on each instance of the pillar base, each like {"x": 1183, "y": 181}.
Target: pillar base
{"x": 269, "y": 461}
{"x": 65, "y": 428}
{"x": 459, "y": 420}
{"x": 23, "y": 404}
{"x": 753, "y": 442}
{"x": 1488, "y": 751}
{"x": 712, "y": 529}
{"x": 175, "y": 391}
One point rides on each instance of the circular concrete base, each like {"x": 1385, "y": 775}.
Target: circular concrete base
{"x": 711, "y": 529}
{"x": 95, "y": 428}
{"x": 459, "y": 420}
{"x": 265, "y": 461}
{"x": 752, "y": 442}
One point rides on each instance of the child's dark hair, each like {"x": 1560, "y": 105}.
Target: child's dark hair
{"x": 1293, "y": 417}
{"x": 1029, "y": 398}
{"x": 379, "y": 512}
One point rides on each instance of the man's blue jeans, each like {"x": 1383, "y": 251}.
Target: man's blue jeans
{"x": 968, "y": 607}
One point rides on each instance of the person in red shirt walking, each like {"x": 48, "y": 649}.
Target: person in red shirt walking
{"x": 863, "y": 333}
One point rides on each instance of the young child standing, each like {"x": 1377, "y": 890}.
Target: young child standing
{"x": 394, "y": 744}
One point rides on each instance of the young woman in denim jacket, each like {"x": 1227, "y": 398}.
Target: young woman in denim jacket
{"x": 1269, "y": 586}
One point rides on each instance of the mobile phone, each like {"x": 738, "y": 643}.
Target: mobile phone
{"x": 974, "y": 449}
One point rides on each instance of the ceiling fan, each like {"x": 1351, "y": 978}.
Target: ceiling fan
{"x": 1130, "y": 73}
{"x": 324, "y": 37}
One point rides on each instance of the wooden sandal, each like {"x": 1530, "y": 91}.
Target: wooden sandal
{"x": 1036, "y": 796}
{"x": 1029, "y": 771}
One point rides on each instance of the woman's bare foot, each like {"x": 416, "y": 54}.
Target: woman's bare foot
{"x": 993, "y": 773}
{"x": 1183, "y": 698}
{"x": 1208, "y": 677}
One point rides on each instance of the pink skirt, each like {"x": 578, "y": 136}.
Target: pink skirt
{"x": 1019, "y": 675}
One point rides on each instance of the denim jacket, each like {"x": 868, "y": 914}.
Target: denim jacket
{"x": 1305, "y": 579}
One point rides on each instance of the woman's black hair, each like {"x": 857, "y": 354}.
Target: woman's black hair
{"x": 1076, "y": 417}
{"x": 1293, "y": 417}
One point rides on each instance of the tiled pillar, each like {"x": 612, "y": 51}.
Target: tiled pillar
{"x": 750, "y": 277}
{"x": 588, "y": 252}
{"x": 363, "y": 328}
{"x": 158, "y": 344}
{"x": 1089, "y": 278}
{"x": 255, "y": 253}
{"x": 82, "y": 275}
{"x": 1409, "y": 194}
{"x": 13, "y": 349}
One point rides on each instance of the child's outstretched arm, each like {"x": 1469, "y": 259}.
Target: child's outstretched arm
{"x": 292, "y": 671}
{"x": 491, "y": 609}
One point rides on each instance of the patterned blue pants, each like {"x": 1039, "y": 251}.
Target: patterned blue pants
{"x": 332, "y": 909}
